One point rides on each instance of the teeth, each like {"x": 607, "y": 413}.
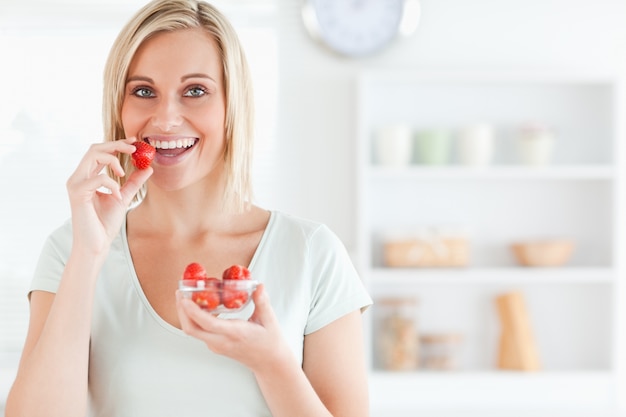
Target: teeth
{"x": 172, "y": 144}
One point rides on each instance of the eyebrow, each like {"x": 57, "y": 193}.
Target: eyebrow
{"x": 139, "y": 78}
{"x": 182, "y": 79}
{"x": 196, "y": 75}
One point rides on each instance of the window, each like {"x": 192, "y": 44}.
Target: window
{"x": 50, "y": 112}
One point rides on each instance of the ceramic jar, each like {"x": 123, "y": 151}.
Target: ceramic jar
{"x": 535, "y": 145}
{"x": 393, "y": 145}
{"x": 475, "y": 145}
{"x": 432, "y": 146}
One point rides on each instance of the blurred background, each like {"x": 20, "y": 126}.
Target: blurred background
{"x": 475, "y": 72}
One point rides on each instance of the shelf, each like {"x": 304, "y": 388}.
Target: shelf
{"x": 383, "y": 278}
{"x": 582, "y": 172}
{"x": 390, "y": 391}
{"x": 574, "y": 309}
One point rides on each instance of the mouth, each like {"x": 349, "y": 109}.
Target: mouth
{"x": 171, "y": 147}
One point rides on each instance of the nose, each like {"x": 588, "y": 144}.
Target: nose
{"x": 167, "y": 115}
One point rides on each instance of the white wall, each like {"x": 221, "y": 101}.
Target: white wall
{"x": 316, "y": 104}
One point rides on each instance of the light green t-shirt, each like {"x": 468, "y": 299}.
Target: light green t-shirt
{"x": 142, "y": 366}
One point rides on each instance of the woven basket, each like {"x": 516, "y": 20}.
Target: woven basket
{"x": 433, "y": 252}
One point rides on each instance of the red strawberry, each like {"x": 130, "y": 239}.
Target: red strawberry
{"x": 231, "y": 297}
{"x": 143, "y": 156}
{"x": 194, "y": 271}
{"x": 236, "y": 272}
{"x": 212, "y": 282}
{"x": 209, "y": 299}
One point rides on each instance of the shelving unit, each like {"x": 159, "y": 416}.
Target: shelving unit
{"x": 574, "y": 309}
{"x": 587, "y": 172}
{"x": 383, "y": 280}
{"x": 466, "y": 391}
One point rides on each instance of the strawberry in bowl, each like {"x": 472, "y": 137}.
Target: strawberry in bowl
{"x": 234, "y": 294}
{"x": 228, "y": 295}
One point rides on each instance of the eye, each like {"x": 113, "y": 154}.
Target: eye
{"x": 142, "y": 92}
{"x": 196, "y": 91}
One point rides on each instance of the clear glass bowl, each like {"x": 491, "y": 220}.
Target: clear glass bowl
{"x": 218, "y": 296}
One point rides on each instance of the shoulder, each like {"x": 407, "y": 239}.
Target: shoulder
{"x": 311, "y": 242}
{"x": 301, "y": 229}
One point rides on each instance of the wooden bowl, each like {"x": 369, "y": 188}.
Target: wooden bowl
{"x": 545, "y": 253}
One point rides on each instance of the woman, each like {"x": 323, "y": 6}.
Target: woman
{"x": 108, "y": 332}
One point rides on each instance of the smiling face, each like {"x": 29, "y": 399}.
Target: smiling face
{"x": 174, "y": 99}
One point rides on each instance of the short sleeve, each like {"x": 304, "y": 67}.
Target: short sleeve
{"x": 52, "y": 260}
{"x": 337, "y": 288}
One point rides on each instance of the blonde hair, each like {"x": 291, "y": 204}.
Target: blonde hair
{"x": 169, "y": 15}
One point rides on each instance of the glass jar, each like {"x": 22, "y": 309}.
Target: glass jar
{"x": 439, "y": 351}
{"x": 397, "y": 334}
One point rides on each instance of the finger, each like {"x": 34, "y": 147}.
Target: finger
{"x": 99, "y": 155}
{"x": 191, "y": 310}
{"x": 186, "y": 324}
{"x": 113, "y": 147}
{"x": 203, "y": 326}
{"x": 126, "y": 141}
{"x": 134, "y": 183}
{"x": 111, "y": 185}
{"x": 186, "y": 309}
{"x": 129, "y": 140}
{"x": 85, "y": 190}
{"x": 259, "y": 293}
{"x": 263, "y": 311}
{"x": 106, "y": 159}
{"x": 207, "y": 321}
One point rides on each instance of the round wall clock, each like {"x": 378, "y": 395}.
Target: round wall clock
{"x": 359, "y": 27}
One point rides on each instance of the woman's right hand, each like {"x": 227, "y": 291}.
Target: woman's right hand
{"x": 97, "y": 216}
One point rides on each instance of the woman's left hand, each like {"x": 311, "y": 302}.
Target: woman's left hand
{"x": 256, "y": 342}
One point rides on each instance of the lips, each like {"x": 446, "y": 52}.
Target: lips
{"x": 171, "y": 146}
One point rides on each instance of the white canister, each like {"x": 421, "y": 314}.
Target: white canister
{"x": 393, "y": 145}
{"x": 535, "y": 145}
{"x": 475, "y": 144}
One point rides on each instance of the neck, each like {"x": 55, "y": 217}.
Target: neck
{"x": 194, "y": 209}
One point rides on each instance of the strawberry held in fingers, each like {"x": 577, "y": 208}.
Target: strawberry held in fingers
{"x": 143, "y": 156}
